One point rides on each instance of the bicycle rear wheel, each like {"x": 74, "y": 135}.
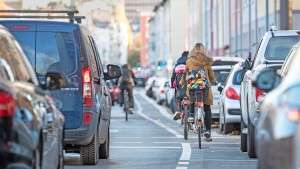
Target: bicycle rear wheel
{"x": 199, "y": 133}
{"x": 186, "y": 123}
{"x": 126, "y": 106}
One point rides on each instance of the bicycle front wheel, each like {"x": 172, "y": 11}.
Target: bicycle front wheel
{"x": 186, "y": 123}
{"x": 199, "y": 134}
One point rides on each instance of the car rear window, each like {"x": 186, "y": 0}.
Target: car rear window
{"x": 238, "y": 77}
{"x": 224, "y": 63}
{"x": 221, "y": 75}
{"x": 279, "y": 47}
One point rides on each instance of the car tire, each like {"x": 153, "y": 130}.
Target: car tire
{"x": 251, "y": 140}
{"x": 61, "y": 153}
{"x": 89, "y": 153}
{"x": 221, "y": 124}
{"x": 243, "y": 136}
{"x": 37, "y": 162}
{"x": 104, "y": 148}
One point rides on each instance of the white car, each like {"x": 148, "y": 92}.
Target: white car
{"x": 229, "y": 107}
{"x": 159, "y": 89}
{"x": 149, "y": 86}
{"x": 221, "y": 67}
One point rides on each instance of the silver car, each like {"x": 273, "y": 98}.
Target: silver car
{"x": 229, "y": 105}
{"x": 221, "y": 67}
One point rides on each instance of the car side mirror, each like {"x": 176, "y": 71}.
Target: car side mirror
{"x": 266, "y": 80}
{"x": 220, "y": 87}
{"x": 113, "y": 72}
{"x": 246, "y": 65}
{"x": 55, "y": 81}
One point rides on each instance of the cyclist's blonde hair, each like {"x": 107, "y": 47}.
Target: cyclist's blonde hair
{"x": 199, "y": 49}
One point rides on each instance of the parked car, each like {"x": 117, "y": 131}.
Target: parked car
{"x": 272, "y": 51}
{"x": 159, "y": 89}
{"x": 230, "y": 112}
{"x": 31, "y": 127}
{"x": 279, "y": 114}
{"x": 114, "y": 92}
{"x": 85, "y": 102}
{"x": 170, "y": 99}
{"x": 141, "y": 80}
{"x": 149, "y": 86}
{"x": 221, "y": 67}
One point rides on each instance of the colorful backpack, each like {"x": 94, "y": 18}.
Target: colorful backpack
{"x": 197, "y": 79}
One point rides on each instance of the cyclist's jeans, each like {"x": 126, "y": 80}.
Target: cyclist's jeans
{"x": 207, "y": 119}
{"x": 130, "y": 96}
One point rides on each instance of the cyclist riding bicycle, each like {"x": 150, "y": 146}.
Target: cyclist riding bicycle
{"x": 199, "y": 58}
{"x": 176, "y": 77}
{"x": 126, "y": 82}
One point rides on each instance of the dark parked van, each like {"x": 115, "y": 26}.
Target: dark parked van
{"x": 69, "y": 48}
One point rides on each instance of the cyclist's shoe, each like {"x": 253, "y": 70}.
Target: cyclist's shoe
{"x": 207, "y": 136}
{"x": 176, "y": 116}
{"x": 130, "y": 110}
{"x": 191, "y": 117}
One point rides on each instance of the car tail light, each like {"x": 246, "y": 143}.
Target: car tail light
{"x": 293, "y": 114}
{"x": 162, "y": 91}
{"x": 199, "y": 104}
{"x": 111, "y": 90}
{"x": 87, "y": 118}
{"x": 19, "y": 27}
{"x": 259, "y": 94}
{"x": 232, "y": 94}
{"x": 117, "y": 90}
{"x": 7, "y": 108}
{"x": 298, "y": 32}
{"x": 87, "y": 86}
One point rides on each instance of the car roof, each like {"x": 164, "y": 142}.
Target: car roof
{"x": 283, "y": 32}
{"x": 227, "y": 58}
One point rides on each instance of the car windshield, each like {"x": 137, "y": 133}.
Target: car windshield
{"x": 221, "y": 75}
{"x": 279, "y": 47}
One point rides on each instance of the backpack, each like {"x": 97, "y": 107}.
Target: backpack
{"x": 180, "y": 90}
{"x": 178, "y": 69}
{"x": 126, "y": 76}
{"x": 197, "y": 79}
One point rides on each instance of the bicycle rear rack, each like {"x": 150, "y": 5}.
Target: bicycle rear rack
{"x": 71, "y": 14}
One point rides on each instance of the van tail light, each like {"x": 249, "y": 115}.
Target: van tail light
{"x": 87, "y": 118}
{"x": 259, "y": 94}
{"x": 87, "y": 87}
{"x": 19, "y": 27}
{"x": 232, "y": 94}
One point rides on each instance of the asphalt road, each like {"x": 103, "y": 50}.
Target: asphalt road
{"x": 151, "y": 139}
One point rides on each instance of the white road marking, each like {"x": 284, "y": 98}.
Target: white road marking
{"x": 181, "y": 167}
{"x": 113, "y": 131}
{"x": 229, "y": 160}
{"x": 121, "y": 142}
{"x": 167, "y": 142}
{"x": 186, "y": 151}
{"x": 186, "y": 147}
{"x": 128, "y": 137}
{"x": 183, "y": 163}
{"x": 119, "y": 147}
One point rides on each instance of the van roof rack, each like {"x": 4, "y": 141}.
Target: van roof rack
{"x": 71, "y": 14}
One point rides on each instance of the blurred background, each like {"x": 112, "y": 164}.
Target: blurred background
{"x": 151, "y": 34}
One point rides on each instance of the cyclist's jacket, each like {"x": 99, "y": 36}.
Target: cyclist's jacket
{"x": 179, "y": 68}
{"x": 196, "y": 62}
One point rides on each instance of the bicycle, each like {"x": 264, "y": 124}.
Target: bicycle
{"x": 126, "y": 104}
{"x": 199, "y": 115}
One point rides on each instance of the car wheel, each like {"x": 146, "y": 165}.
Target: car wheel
{"x": 250, "y": 140}
{"x": 61, "y": 154}
{"x": 104, "y": 148}
{"x": 243, "y": 136}
{"x": 89, "y": 153}
{"x": 38, "y": 156}
{"x": 228, "y": 127}
{"x": 221, "y": 124}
